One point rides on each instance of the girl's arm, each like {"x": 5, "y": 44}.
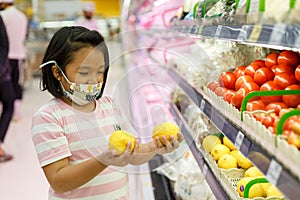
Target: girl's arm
{"x": 64, "y": 177}
{"x": 145, "y": 152}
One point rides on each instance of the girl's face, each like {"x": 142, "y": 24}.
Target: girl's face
{"x": 87, "y": 67}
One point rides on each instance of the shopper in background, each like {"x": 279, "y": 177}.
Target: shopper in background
{"x": 87, "y": 20}
{"x": 70, "y": 131}
{"x": 6, "y": 90}
{"x": 16, "y": 24}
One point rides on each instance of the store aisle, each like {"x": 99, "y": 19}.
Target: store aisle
{"x": 22, "y": 178}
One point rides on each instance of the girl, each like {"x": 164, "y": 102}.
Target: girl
{"x": 70, "y": 132}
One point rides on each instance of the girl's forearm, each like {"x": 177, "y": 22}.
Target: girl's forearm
{"x": 74, "y": 176}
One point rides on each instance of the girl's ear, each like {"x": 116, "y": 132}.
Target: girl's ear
{"x": 56, "y": 72}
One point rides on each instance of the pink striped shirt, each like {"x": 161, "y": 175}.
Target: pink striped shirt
{"x": 59, "y": 131}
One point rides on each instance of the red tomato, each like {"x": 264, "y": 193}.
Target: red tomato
{"x": 263, "y": 75}
{"x": 283, "y": 68}
{"x": 239, "y": 71}
{"x": 276, "y": 106}
{"x": 261, "y": 63}
{"x": 213, "y": 85}
{"x": 220, "y": 91}
{"x": 255, "y": 105}
{"x": 291, "y": 100}
{"x": 227, "y": 80}
{"x": 251, "y": 86}
{"x": 267, "y": 121}
{"x": 297, "y": 73}
{"x": 270, "y": 85}
{"x": 284, "y": 110}
{"x": 251, "y": 69}
{"x": 228, "y": 95}
{"x": 289, "y": 57}
{"x": 271, "y": 59}
{"x": 284, "y": 79}
{"x": 238, "y": 97}
{"x": 242, "y": 80}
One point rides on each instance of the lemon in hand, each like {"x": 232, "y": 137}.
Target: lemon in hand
{"x": 119, "y": 140}
{"x": 165, "y": 129}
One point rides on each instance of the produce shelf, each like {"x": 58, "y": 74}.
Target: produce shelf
{"x": 278, "y": 36}
{"x": 279, "y": 170}
{"x": 212, "y": 180}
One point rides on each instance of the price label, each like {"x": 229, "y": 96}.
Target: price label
{"x": 202, "y": 104}
{"x": 194, "y": 29}
{"x": 243, "y": 33}
{"x": 204, "y": 170}
{"x": 218, "y": 31}
{"x": 277, "y": 34}
{"x": 255, "y": 33}
{"x": 274, "y": 172}
{"x": 239, "y": 140}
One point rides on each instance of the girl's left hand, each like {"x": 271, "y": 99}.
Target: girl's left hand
{"x": 169, "y": 145}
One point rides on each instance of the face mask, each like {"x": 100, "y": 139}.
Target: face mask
{"x": 81, "y": 94}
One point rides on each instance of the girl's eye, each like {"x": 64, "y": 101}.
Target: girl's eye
{"x": 83, "y": 73}
{"x": 100, "y": 72}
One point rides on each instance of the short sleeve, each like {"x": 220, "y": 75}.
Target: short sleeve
{"x": 48, "y": 138}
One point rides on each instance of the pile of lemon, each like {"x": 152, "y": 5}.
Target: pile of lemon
{"x": 224, "y": 153}
{"x": 264, "y": 190}
{"x": 228, "y": 157}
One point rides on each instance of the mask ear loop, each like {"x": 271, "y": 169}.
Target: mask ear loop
{"x": 55, "y": 63}
{"x": 47, "y": 63}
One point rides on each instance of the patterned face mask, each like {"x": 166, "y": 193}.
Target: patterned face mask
{"x": 81, "y": 94}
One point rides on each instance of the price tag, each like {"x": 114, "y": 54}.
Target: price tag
{"x": 277, "y": 34}
{"x": 202, "y": 104}
{"x": 243, "y": 33}
{"x": 255, "y": 33}
{"x": 274, "y": 172}
{"x": 204, "y": 170}
{"x": 239, "y": 140}
{"x": 218, "y": 31}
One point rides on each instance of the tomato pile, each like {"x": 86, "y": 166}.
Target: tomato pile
{"x": 279, "y": 71}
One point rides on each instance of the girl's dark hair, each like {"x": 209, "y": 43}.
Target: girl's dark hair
{"x": 64, "y": 43}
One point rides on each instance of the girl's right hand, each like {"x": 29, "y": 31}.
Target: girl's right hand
{"x": 110, "y": 158}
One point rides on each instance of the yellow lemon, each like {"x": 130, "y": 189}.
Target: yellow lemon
{"x": 210, "y": 141}
{"x": 273, "y": 192}
{"x": 228, "y": 143}
{"x": 165, "y": 129}
{"x": 218, "y": 151}
{"x": 242, "y": 185}
{"x": 119, "y": 140}
{"x": 265, "y": 187}
{"x": 227, "y": 161}
{"x": 253, "y": 172}
{"x": 256, "y": 190}
{"x": 242, "y": 161}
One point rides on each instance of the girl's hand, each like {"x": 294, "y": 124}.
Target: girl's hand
{"x": 110, "y": 158}
{"x": 169, "y": 145}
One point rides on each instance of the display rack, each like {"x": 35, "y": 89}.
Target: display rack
{"x": 278, "y": 169}
{"x": 279, "y": 36}
{"x": 212, "y": 180}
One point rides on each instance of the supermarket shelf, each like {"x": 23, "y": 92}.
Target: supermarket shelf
{"x": 211, "y": 179}
{"x": 278, "y": 36}
{"x": 278, "y": 169}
